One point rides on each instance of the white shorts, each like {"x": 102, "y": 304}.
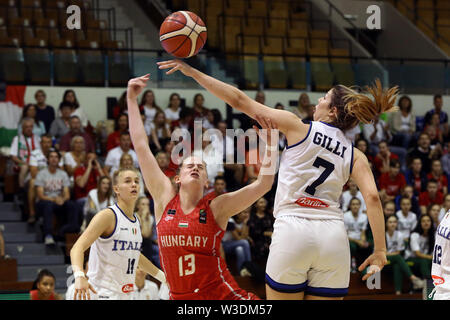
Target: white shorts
{"x": 106, "y": 294}
{"x": 309, "y": 255}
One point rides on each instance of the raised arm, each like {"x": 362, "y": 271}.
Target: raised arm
{"x": 229, "y": 204}
{"x": 156, "y": 181}
{"x": 287, "y": 122}
{"x": 363, "y": 177}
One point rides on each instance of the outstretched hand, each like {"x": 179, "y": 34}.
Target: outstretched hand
{"x": 268, "y": 126}
{"x": 375, "y": 261}
{"x": 176, "y": 65}
{"x": 136, "y": 85}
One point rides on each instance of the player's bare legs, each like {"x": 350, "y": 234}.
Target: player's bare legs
{"x": 276, "y": 295}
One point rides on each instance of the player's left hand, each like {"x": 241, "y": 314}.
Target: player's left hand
{"x": 271, "y": 129}
{"x": 375, "y": 261}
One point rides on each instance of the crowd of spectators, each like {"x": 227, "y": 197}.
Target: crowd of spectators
{"x": 64, "y": 168}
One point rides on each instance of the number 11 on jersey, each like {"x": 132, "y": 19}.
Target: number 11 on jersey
{"x": 189, "y": 268}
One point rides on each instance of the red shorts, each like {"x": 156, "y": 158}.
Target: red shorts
{"x": 221, "y": 291}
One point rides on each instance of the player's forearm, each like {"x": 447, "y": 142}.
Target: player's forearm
{"x": 376, "y": 221}
{"x": 221, "y": 90}
{"x": 77, "y": 257}
{"x": 148, "y": 267}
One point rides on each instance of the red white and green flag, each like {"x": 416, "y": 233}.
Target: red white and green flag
{"x": 10, "y": 113}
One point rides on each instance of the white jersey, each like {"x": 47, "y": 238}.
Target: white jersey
{"x": 113, "y": 260}
{"x": 312, "y": 174}
{"x": 440, "y": 269}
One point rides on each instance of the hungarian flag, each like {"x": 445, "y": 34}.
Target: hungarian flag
{"x": 10, "y": 113}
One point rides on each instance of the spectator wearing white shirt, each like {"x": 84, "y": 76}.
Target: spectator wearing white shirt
{"x": 112, "y": 161}
{"x": 395, "y": 245}
{"x": 352, "y": 192}
{"x": 148, "y": 103}
{"x": 97, "y": 200}
{"x": 76, "y": 156}
{"x": 144, "y": 289}
{"x": 422, "y": 245}
{"x": 160, "y": 132}
{"x": 407, "y": 220}
{"x": 356, "y": 225}
{"x": 173, "y": 110}
{"x": 21, "y": 148}
{"x": 211, "y": 154}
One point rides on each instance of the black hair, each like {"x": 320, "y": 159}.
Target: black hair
{"x": 393, "y": 163}
{"x": 116, "y": 126}
{"x": 43, "y": 273}
{"x": 219, "y": 178}
{"x": 420, "y": 231}
{"x": 407, "y": 99}
{"x": 437, "y": 96}
{"x": 66, "y": 104}
{"x": 75, "y": 104}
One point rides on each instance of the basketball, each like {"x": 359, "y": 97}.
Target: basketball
{"x": 183, "y": 34}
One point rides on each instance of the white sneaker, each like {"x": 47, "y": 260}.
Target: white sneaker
{"x": 49, "y": 240}
{"x": 418, "y": 283}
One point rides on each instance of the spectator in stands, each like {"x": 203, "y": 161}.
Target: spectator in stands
{"x": 212, "y": 158}
{"x": 120, "y": 126}
{"x": 77, "y": 110}
{"x": 353, "y": 134}
{"x": 445, "y": 160}
{"x": 389, "y": 208}
{"x": 407, "y": 220}
{"x": 29, "y": 111}
{"x": 213, "y": 118}
{"x": 394, "y": 248}
{"x": 53, "y": 194}
{"x": 422, "y": 244}
{"x": 145, "y": 289}
{"x": 376, "y": 132}
{"x": 112, "y": 160}
{"x": 60, "y": 126}
{"x": 416, "y": 177}
{"x": 438, "y": 174}
{"x": 235, "y": 241}
{"x": 431, "y": 196}
{"x": 433, "y": 211}
{"x": 260, "y": 97}
{"x": 142, "y": 210}
{"x": 172, "y": 111}
{"x": 86, "y": 178}
{"x": 97, "y": 199}
{"x": 121, "y": 106}
{"x": 76, "y": 156}
{"x": 38, "y": 161}
{"x": 408, "y": 192}
{"x": 424, "y": 152}
{"x": 349, "y": 194}
{"x": 164, "y": 164}
{"x": 44, "y": 112}
{"x": 160, "y": 131}
{"x": 443, "y": 116}
{"x": 260, "y": 229}
{"x": 44, "y": 287}
{"x": 186, "y": 120}
{"x": 200, "y": 111}
{"x": 362, "y": 145}
{"x": 356, "y": 225}
{"x": 391, "y": 183}
{"x": 383, "y": 158}
{"x": 403, "y": 123}
{"x": 76, "y": 130}
{"x": 149, "y": 106}
{"x": 21, "y": 148}
{"x": 434, "y": 131}
{"x": 445, "y": 208}
{"x": 302, "y": 109}
{"x": 220, "y": 187}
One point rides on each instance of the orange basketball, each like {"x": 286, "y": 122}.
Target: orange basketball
{"x": 183, "y": 34}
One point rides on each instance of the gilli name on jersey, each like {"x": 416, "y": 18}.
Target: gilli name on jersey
{"x": 178, "y": 240}
{"x": 326, "y": 142}
{"x": 122, "y": 245}
{"x": 444, "y": 232}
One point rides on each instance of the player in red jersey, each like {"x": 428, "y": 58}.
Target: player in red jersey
{"x": 189, "y": 227}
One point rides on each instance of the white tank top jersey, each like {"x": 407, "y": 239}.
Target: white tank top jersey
{"x": 113, "y": 260}
{"x": 312, "y": 173}
{"x": 440, "y": 269}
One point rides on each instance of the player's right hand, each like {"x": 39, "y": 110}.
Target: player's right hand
{"x": 176, "y": 65}
{"x": 375, "y": 262}
{"x": 82, "y": 287}
{"x": 136, "y": 85}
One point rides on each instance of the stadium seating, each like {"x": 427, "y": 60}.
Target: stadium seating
{"x": 38, "y": 61}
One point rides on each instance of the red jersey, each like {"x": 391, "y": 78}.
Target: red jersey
{"x": 34, "y": 295}
{"x": 393, "y": 186}
{"x": 189, "y": 251}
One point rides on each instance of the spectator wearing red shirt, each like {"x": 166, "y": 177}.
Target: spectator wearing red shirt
{"x": 220, "y": 187}
{"x": 438, "y": 175}
{"x": 431, "y": 196}
{"x": 163, "y": 161}
{"x": 382, "y": 159}
{"x": 391, "y": 183}
{"x": 44, "y": 287}
{"x": 415, "y": 177}
{"x": 114, "y": 137}
{"x": 76, "y": 130}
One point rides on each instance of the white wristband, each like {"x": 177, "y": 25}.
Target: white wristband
{"x": 78, "y": 274}
{"x": 160, "y": 276}
{"x": 271, "y": 148}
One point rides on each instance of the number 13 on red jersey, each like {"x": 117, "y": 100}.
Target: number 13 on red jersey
{"x": 186, "y": 265}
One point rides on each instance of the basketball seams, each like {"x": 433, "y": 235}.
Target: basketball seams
{"x": 187, "y": 36}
